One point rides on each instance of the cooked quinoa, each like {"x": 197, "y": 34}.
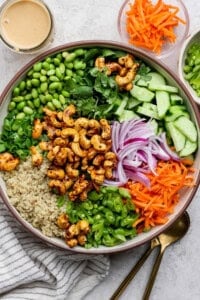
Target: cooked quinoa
{"x": 28, "y": 191}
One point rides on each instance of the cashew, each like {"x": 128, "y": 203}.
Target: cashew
{"x": 72, "y": 231}
{"x": 68, "y": 183}
{"x": 53, "y": 152}
{"x": 112, "y": 67}
{"x": 36, "y": 156}
{"x": 127, "y": 61}
{"x": 83, "y": 226}
{"x": 37, "y": 129}
{"x": 83, "y": 140}
{"x": 72, "y": 242}
{"x": 70, "y": 132}
{"x": 68, "y": 112}
{"x": 8, "y": 162}
{"x": 100, "y": 63}
{"x": 61, "y": 157}
{"x": 63, "y": 221}
{"x": 56, "y": 173}
{"x": 72, "y": 173}
{"x": 106, "y": 129}
{"x": 81, "y": 238}
{"x": 123, "y": 80}
{"x": 91, "y": 153}
{"x": 79, "y": 187}
{"x": 108, "y": 173}
{"x": 97, "y": 143}
{"x": 98, "y": 160}
{"x": 81, "y": 123}
{"x": 77, "y": 149}
{"x": 57, "y": 185}
{"x": 60, "y": 142}
{"x": 45, "y": 146}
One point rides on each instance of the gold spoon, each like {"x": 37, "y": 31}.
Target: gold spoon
{"x": 172, "y": 234}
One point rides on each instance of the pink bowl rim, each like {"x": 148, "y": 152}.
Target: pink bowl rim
{"x": 139, "y": 54}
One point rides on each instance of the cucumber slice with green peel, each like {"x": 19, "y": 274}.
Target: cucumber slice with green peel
{"x": 154, "y": 124}
{"x": 173, "y": 117}
{"x": 163, "y": 103}
{"x": 127, "y": 115}
{"x": 150, "y": 106}
{"x": 176, "y": 99}
{"x": 190, "y": 147}
{"x": 152, "y": 77}
{"x": 178, "y": 138}
{"x": 187, "y": 128}
{"x": 133, "y": 102}
{"x": 142, "y": 94}
{"x": 148, "y": 112}
{"x": 163, "y": 87}
{"x": 177, "y": 108}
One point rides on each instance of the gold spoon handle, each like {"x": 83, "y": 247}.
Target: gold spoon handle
{"x": 131, "y": 274}
{"x": 153, "y": 274}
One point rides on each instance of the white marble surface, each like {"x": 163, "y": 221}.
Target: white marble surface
{"x": 179, "y": 274}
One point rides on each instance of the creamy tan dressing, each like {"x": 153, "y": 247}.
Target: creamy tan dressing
{"x": 25, "y": 24}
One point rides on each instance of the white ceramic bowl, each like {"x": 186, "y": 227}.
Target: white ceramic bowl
{"x": 181, "y": 31}
{"x": 194, "y": 36}
{"x": 186, "y": 194}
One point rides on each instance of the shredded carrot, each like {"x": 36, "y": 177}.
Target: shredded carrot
{"x": 155, "y": 203}
{"x": 151, "y": 25}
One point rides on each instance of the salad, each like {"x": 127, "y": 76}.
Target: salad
{"x": 117, "y": 138}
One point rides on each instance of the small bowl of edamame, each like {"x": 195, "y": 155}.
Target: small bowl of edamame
{"x": 189, "y": 64}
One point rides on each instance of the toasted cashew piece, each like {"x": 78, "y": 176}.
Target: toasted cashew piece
{"x": 68, "y": 112}
{"x": 70, "y": 132}
{"x": 81, "y": 123}
{"x": 36, "y": 156}
{"x": 68, "y": 183}
{"x": 106, "y": 129}
{"x": 61, "y": 157}
{"x": 8, "y": 162}
{"x": 56, "y": 173}
{"x": 58, "y": 185}
{"x": 60, "y": 142}
{"x": 97, "y": 143}
{"x": 98, "y": 160}
{"x": 53, "y": 152}
{"x": 71, "y": 172}
{"x": 127, "y": 61}
{"x": 83, "y": 140}
{"x": 45, "y": 146}
{"x": 63, "y": 221}
{"x": 77, "y": 149}
{"x": 108, "y": 173}
{"x": 37, "y": 129}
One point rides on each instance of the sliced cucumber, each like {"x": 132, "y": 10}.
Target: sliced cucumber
{"x": 142, "y": 94}
{"x": 152, "y": 77}
{"x": 163, "y": 103}
{"x": 127, "y": 115}
{"x": 178, "y": 138}
{"x": 163, "y": 87}
{"x": 173, "y": 117}
{"x": 176, "y": 99}
{"x": 187, "y": 128}
{"x": 190, "y": 147}
{"x": 174, "y": 109}
{"x": 154, "y": 124}
{"x": 133, "y": 102}
{"x": 148, "y": 112}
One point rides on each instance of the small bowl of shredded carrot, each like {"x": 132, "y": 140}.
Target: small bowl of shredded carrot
{"x": 154, "y": 27}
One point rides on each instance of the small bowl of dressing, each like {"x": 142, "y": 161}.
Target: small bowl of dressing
{"x": 26, "y": 26}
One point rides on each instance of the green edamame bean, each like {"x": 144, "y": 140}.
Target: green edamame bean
{"x": 51, "y": 72}
{"x": 48, "y": 59}
{"x": 61, "y": 99}
{"x": 56, "y": 61}
{"x": 56, "y": 103}
{"x": 40, "y": 110}
{"x": 22, "y": 85}
{"x": 27, "y": 110}
{"x": 43, "y": 78}
{"x": 56, "y": 96}
{"x": 58, "y": 73}
{"x": 35, "y": 82}
{"x": 52, "y": 67}
{"x": 62, "y": 68}
{"x": 16, "y": 91}
{"x": 48, "y": 97}
{"x": 43, "y": 87}
{"x": 36, "y": 102}
{"x": 69, "y": 73}
{"x": 79, "y": 52}
{"x": 45, "y": 65}
{"x": 59, "y": 56}
{"x": 27, "y": 97}
{"x": 70, "y": 57}
{"x": 65, "y": 93}
{"x": 43, "y": 72}
{"x": 69, "y": 65}
{"x": 30, "y": 104}
{"x": 50, "y": 106}
{"x": 30, "y": 73}
{"x": 15, "y": 125}
{"x": 79, "y": 65}
{"x": 21, "y": 105}
{"x": 80, "y": 72}
{"x": 54, "y": 78}
{"x": 34, "y": 93}
{"x": 18, "y": 99}
{"x": 55, "y": 86}
{"x": 65, "y": 54}
{"x": 20, "y": 131}
{"x": 11, "y": 105}
{"x": 20, "y": 116}
{"x": 37, "y": 67}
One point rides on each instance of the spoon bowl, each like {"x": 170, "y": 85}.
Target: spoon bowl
{"x": 172, "y": 234}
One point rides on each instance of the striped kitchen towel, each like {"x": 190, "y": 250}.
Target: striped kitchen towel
{"x": 31, "y": 270}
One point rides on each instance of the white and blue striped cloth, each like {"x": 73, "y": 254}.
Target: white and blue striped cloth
{"x": 30, "y": 270}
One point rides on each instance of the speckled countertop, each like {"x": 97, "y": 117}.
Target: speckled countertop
{"x": 179, "y": 274}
